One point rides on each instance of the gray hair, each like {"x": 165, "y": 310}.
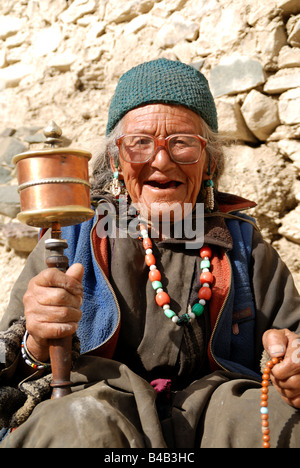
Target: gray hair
{"x": 103, "y": 175}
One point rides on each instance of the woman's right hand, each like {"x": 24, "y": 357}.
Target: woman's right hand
{"x": 52, "y": 308}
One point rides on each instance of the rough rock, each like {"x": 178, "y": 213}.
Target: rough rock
{"x": 294, "y": 37}
{"x": 289, "y": 107}
{"x": 291, "y": 226}
{"x": 175, "y": 30}
{"x": 283, "y": 80}
{"x": 235, "y": 74}
{"x": 261, "y": 114}
{"x": 289, "y": 7}
{"x": 231, "y": 121}
{"x": 10, "y": 25}
{"x": 289, "y": 57}
{"x": 19, "y": 237}
{"x": 9, "y": 201}
{"x": 10, "y": 77}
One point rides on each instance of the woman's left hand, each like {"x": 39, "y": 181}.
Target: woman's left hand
{"x": 285, "y": 376}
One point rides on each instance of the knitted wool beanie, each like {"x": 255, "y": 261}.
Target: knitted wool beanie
{"x": 163, "y": 81}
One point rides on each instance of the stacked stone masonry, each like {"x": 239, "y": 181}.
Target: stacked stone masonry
{"x": 61, "y": 60}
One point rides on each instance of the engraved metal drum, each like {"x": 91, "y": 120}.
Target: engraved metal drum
{"x": 54, "y": 187}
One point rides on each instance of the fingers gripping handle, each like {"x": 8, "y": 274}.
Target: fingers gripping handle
{"x": 60, "y": 349}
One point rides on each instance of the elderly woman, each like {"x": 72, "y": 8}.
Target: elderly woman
{"x": 171, "y": 329}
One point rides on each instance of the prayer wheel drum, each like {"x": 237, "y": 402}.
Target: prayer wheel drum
{"x": 54, "y": 187}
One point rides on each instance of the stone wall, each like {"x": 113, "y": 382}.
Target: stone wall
{"x": 61, "y": 59}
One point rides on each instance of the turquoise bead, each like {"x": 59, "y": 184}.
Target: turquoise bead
{"x": 198, "y": 309}
{"x": 169, "y": 313}
{"x": 156, "y": 285}
{"x": 205, "y": 264}
{"x": 264, "y": 410}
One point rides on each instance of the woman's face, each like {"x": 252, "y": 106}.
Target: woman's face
{"x": 160, "y": 183}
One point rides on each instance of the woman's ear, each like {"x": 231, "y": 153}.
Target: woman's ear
{"x": 209, "y": 168}
{"x": 115, "y": 166}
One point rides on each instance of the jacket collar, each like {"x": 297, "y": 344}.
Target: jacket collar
{"x": 227, "y": 202}
{"x": 215, "y": 228}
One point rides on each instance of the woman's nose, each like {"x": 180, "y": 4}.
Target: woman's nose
{"x": 161, "y": 158}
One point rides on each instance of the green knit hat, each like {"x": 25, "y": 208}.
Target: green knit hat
{"x": 163, "y": 81}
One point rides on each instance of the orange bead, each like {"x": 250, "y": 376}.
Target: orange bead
{"x": 267, "y": 370}
{"x": 147, "y": 243}
{"x": 266, "y": 438}
{"x": 154, "y": 275}
{"x": 264, "y": 390}
{"x": 265, "y": 383}
{"x": 162, "y": 298}
{"x": 206, "y": 277}
{"x": 205, "y": 252}
{"x": 264, "y": 397}
{"x": 265, "y": 376}
{"x": 205, "y": 293}
{"x": 275, "y": 361}
{"x": 264, "y": 403}
{"x": 264, "y": 417}
{"x": 265, "y": 430}
{"x": 269, "y": 364}
{"x": 150, "y": 259}
{"x": 266, "y": 445}
{"x": 265, "y": 423}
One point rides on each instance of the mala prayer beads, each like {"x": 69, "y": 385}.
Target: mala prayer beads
{"x": 162, "y": 298}
{"x": 264, "y": 411}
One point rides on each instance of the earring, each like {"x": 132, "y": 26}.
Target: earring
{"x": 115, "y": 186}
{"x": 209, "y": 190}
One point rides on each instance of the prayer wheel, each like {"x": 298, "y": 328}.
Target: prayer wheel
{"x": 54, "y": 191}
{"x": 53, "y": 184}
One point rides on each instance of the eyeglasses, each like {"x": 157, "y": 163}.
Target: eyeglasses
{"x": 182, "y": 148}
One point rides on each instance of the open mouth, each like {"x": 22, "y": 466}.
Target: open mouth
{"x": 172, "y": 184}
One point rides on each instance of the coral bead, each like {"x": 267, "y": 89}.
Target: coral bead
{"x": 206, "y": 277}
{"x": 150, "y": 259}
{"x": 154, "y": 275}
{"x": 147, "y": 243}
{"x": 162, "y": 298}
{"x": 205, "y": 252}
{"x": 205, "y": 293}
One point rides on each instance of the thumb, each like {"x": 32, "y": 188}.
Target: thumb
{"x": 275, "y": 342}
{"x": 76, "y": 271}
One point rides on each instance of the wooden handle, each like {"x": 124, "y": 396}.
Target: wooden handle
{"x": 61, "y": 349}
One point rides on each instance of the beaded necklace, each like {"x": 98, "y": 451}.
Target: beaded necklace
{"x": 162, "y": 298}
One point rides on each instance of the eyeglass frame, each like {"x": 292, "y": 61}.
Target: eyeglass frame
{"x": 161, "y": 142}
